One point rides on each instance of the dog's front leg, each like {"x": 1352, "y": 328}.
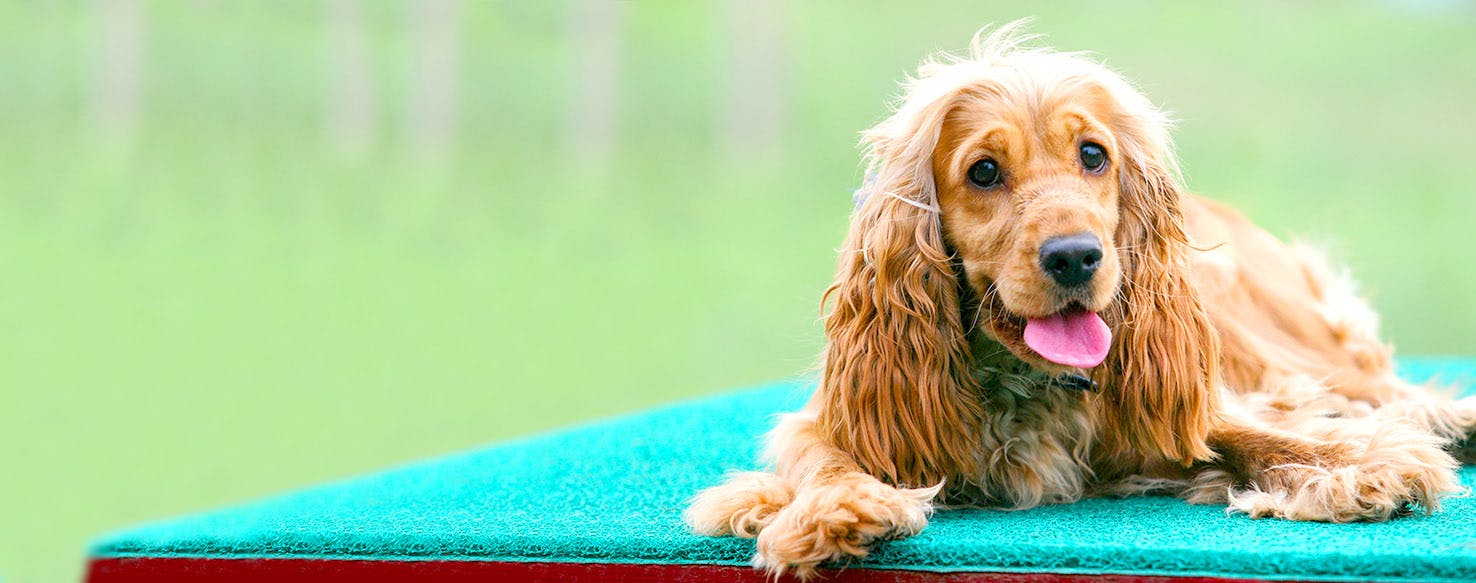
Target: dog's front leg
{"x": 1327, "y": 469}
{"x": 838, "y": 511}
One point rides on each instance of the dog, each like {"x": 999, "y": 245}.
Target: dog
{"x": 1029, "y": 309}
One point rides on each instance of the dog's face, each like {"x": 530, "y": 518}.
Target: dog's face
{"x": 1027, "y": 180}
{"x": 1048, "y": 185}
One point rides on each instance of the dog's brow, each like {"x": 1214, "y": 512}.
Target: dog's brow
{"x": 994, "y": 139}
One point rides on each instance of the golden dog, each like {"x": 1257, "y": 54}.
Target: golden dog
{"x": 1030, "y": 309}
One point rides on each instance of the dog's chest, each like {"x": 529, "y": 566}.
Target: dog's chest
{"x": 1035, "y": 443}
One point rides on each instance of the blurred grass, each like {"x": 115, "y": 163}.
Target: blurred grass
{"x": 220, "y": 306}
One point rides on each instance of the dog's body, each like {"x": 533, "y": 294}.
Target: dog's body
{"x": 1025, "y": 240}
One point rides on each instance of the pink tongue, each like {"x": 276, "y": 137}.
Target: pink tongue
{"x": 1078, "y": 339}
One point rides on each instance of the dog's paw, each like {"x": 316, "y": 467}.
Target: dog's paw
{"x": 742, "y": 506}
{"x": 1399, "y": 473}
{"x": 839, "y": 520}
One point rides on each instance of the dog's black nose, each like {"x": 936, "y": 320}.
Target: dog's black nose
{"x": 1071, "y": 260}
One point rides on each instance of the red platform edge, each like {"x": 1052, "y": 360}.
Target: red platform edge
{"x": 219, "y": 570}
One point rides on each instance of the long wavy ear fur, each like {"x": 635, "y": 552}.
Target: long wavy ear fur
{"x": 1162, "y": 375}
{"x": 897, "y": 391}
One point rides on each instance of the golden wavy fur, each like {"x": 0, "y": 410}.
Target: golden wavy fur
{"x": 1241, "y": 371}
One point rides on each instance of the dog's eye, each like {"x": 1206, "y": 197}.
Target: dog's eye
{"x": 984, "y": 173}
{"x": 1093, "y": 157}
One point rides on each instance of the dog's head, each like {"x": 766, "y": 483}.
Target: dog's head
{"x": 1030, "y": 178}
{"x": 1031, "y": 196}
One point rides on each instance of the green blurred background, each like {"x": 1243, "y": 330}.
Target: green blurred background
{"x": 247, "y": 246}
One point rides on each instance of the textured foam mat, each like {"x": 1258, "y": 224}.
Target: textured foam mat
{"x": 613, "y": 492}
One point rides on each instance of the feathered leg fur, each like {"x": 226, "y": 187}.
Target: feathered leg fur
{"x": 820, "y": 507}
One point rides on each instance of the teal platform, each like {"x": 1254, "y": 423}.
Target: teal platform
{"x": 611, "y": 493}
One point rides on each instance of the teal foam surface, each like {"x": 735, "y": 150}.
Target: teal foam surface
{"x": 614, "y": 491}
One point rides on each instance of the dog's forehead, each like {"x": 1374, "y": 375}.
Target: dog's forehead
{"x": 1016, "y": 130}
{"x": 1042, "y": 107}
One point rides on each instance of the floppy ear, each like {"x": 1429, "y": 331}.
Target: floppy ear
{"x": 1163, "y": 371}
{"x": 897, "y": 391}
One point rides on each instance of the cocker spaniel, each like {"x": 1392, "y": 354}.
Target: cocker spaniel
{"x": 1030, "y": 309}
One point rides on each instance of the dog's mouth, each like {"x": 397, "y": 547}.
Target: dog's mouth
{"x": 1074, "y": 337}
